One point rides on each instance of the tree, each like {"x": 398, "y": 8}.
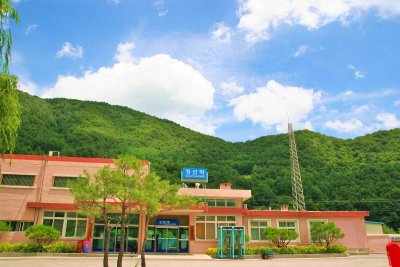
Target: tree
{"x": 92, "y": 194}
{"x": 326, "y": 233}
{"x": 280, "y": 237}
{"x": 388, "y": 230}
{"x": 156, "y": 195}
{"x": 129, "y": 172}
{"x": 9, "y": 103}
{"x": 42, "y": 234}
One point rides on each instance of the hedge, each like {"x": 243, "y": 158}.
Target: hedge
{"x": 311, "y": 249}
{"x": 58, "y": 247}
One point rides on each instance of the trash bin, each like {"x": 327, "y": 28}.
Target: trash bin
{"x": 393, "y": 253}
{"x": 86, "y": 246}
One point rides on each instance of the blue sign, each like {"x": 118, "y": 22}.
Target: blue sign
{"x": 194, "y": 175}
{"x": 163, "y": 222}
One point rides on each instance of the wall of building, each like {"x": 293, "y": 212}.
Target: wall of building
{"x": 374, "y": 228}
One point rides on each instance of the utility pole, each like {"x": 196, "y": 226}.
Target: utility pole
{"x": 297, "y": 185}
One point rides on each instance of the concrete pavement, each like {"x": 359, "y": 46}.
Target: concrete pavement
{"x": 374, "y": 260}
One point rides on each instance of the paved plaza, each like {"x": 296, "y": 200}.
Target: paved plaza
{"x": 374, "y": 260}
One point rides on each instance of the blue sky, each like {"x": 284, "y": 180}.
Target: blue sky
{"x": 233, "y": 69}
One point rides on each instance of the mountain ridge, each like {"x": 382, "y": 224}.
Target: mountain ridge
{"x": 338, "y": 174}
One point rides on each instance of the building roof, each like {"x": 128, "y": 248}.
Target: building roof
{"x": 62, "y": 158}
{"x": 216, "y": 193}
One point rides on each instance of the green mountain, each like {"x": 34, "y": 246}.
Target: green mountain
{"x": 355, "y": 174}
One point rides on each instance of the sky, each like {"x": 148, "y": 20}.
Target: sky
{"x": 236, "y": 70}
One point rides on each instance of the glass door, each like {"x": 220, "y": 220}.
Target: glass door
{"x": 167, "y": 240}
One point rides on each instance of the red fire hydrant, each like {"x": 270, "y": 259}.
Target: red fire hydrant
{"x": 393, "y": 253}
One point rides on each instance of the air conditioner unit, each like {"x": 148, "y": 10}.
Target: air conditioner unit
{"x": 54, "y": 153}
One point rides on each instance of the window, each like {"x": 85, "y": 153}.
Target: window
{"x": 17, "y": 180}
{"x": 257, "y": 229}
{"x": 70, "y": 224}
{"x": 62, "y": 181}
{"x": 206, "y": 226}
{"x": 220, "y": 202}
{"x": 313, "y": 222}
{"x": 290, "y": 225}
{"x": 19, "y": 226}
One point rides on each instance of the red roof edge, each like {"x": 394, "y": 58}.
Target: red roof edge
{"x": 62, "y": 158}
{"x": 258, "y": 213}
{"x": 61, "y": 206}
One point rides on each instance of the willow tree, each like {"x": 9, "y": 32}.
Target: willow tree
{"x": 9, "y": 102}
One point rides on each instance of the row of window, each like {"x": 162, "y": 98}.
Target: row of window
{"x": 28, "y": 180}
{"x": 206, "y": 226}
{"x": 257, "y": 227}
{"x": 19, "y": 226}
{"x": 73, "y": 224}
{"x": 70, "y": 224}
{"x": 220, "y": 202}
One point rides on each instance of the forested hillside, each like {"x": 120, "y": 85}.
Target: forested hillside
{"x": 356, "y": 174}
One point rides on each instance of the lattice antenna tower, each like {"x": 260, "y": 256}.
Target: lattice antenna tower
{"x": 297, "y": 185}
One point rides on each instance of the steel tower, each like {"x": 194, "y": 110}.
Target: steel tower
{"x": 297, "y": 185}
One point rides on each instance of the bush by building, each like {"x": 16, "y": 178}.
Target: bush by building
{"x": 58, "y": 247}
{"x": 41, "y": 234}
{"x": 310, "y": 249}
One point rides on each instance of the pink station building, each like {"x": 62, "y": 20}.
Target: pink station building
{"x": 33, "y": 190}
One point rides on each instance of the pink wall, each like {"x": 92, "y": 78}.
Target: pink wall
{"x": 377, "y": 243}
{"x": 352, "y": 227}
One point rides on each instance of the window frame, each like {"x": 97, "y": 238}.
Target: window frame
{"x": 65, "y": 219}
{"x": 226, "y": 200}
{"x": 296, "y": 227}
{"x": 20, "y": 174}
{"x": 216, "y": 223}
{"x": 61, "y": 176}
{"x": 309, "y": 221}
{"x": 19, "y": 225}
{"x": 258, "y": 227}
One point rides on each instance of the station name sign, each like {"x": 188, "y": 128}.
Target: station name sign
{"x": 194, "y": 175}
{"x": 167, "y": 222}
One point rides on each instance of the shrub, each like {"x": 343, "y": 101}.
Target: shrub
{"x": 29, "y": 248}
{"x": 336, "y": 248}
{"x": 41, "y": 234}
{"x": 280, "y": 237}
{"x": 212, "y": 251}
{"x": 60, "y": 247}
{"x": 4, "y": 227}
{"x": 310, "y": 249}
{"x": 326, "y": 233}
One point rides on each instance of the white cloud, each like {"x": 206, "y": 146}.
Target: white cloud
{"x": 357, "y": 73}
{"x": 222, "y": 33}
{"x": 259, "y": 18}
{"x": 68, "y": 50}
{"x": 124, "y": 53}
{"x": 270, "y": 105}
{"x": 350, "y": 126}
{"x": 388, "y": 120}
{"x": 31, "y": 29}
{"x": 230, "y": 88}
{"x": 158, "y": 85}
{"x": 301, "y": 50}
{"x": 160, "y": 6}
{"x": 26, "y": 85}
{"x": 397, "y": 103}
{"x": 361, "y": 109}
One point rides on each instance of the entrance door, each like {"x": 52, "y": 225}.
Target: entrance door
{"x": 167, "y": 239}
